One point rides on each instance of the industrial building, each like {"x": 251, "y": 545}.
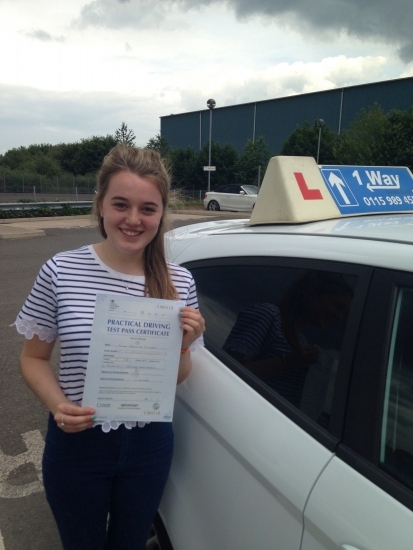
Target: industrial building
{"x": 275, "y": 119}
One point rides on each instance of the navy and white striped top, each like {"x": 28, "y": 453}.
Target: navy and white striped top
{"x": 62, "y": 302}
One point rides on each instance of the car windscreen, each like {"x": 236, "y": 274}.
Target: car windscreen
{"x": 250, "y": 189}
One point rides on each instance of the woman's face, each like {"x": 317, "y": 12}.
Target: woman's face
{"x": 132, "y": 211}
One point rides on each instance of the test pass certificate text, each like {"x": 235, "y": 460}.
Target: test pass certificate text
{"x": 133, "y": 359}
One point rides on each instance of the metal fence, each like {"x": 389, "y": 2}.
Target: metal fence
{"x": 35, "y": 195}
{"x": 188, "y": 194}
{"x": 17, "y": 182}
{"x": 33, "y": 186}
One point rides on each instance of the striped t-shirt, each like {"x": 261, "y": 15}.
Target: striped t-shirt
{"x": 62, "y": 302}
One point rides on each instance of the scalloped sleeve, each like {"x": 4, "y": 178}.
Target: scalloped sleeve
{"x": 39, "y": 312}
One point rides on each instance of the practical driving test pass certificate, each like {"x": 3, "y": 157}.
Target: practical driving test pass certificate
{"x": 133, "y": 359}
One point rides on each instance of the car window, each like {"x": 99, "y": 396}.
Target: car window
{"x": 284, "y": 324}
{"x": 396, "y": 449}
{"x": 233, "y": 188}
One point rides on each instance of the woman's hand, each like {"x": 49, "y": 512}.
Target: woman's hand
{"x": 193, "y": 325}
{"x": 72, "y": 418}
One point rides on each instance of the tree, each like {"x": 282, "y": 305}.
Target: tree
{"x": 183, "y": 163}
{"x": 223, "y": 157}
{"x": 159, "y": 143}
{"x": 15, "y": 158}
{"x": 44, "y": 165}
{"x": 187, "y": 165}
{"x": 255, "y": 154}
{"x": 86, "y": 156}
{"x": 397, "y": 143}
{"x": 303, "y": 142}
{"x": 124, "y": 135}
{"x": 34, "y": 159}
{"x": 364, "y": 141}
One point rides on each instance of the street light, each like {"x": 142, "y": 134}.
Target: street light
{"x": 319, "y": 123}
{"x": 211, "y": 104}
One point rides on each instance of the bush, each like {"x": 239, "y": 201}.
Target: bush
{"x": 44, "y": 212}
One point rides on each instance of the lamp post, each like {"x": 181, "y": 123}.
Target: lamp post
{"x": 211, "y": 104}
{"x": 319, "y": 123}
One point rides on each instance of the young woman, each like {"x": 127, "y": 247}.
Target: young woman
{"x": 104, "y": 482}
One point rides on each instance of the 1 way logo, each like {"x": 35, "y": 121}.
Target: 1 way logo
{"x": 369, "y": 189}
{"x": 9, "y": 464}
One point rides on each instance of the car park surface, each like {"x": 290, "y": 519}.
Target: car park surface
{"x": 315, "y": 456}
{"x": 233, "y": 197}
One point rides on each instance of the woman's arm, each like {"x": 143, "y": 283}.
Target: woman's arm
{"x": 193, "y": 325}
{"x": 38, "y": 374}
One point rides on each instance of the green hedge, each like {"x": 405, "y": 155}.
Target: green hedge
{"x": 44, "y": 212}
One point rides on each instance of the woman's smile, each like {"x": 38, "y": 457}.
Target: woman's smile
{"x": 130, "y": 233}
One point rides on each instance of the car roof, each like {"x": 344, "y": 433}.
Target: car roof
{"x": 379, "y": 240}
{"x": 390, "y": 228}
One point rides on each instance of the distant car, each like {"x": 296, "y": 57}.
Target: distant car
{"x": 238, "y": 198}
{"x": 271, "y": 452}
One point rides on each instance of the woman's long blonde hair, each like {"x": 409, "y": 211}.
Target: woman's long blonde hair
{"x": 144, "y": 163}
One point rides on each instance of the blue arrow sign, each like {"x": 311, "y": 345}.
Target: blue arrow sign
{"x": 369, "y": 189}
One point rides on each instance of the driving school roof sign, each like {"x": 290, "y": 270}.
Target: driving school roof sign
{"x": 296, "y": 190}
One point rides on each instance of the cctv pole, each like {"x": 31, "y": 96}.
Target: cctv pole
{"x": 211, "y": 104}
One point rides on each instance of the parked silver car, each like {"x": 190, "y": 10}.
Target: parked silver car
{"x": 235, "y": 197}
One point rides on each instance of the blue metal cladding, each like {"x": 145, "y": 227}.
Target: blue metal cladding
{"x": 393, "y": 94}
{"x": 276, "y": 119}
{"x": 233, "y": 125}
{"x": 181, "y": 130}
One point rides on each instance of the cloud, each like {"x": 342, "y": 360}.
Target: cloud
{"x": 137, "y": 14}
{"x": 285, "y": 79}
{"x": 380, "y": 21}
{"x": 44, "y": 36}
{"x": 29, "y": 115}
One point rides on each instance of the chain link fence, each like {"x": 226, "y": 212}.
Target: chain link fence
{"x": 196, "y": 195}
{"x": 15, "y": 186}
{"x": 16, "y": 182}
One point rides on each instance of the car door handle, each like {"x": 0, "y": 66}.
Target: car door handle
{"x": 348, "y": 547}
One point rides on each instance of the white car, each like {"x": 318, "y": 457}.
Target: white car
{"x": 235, "y": 197}
{"x": 294, "y": 430}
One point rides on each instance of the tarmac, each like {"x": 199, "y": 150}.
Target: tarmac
{"x": 20, "y": 228}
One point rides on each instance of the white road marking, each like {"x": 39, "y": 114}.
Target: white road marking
{"x": 35, "y": 445}
{"x": 1, "y": 543}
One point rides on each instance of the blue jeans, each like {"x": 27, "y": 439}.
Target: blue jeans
{"x": 91, "y": 474}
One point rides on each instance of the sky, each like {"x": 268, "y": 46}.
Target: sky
{"x": 70, "y": 70}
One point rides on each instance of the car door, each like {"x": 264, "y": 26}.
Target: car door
{"x": 237, "y": 198}
{"x": 248, "y": 201}
{"x": 225, "y": 197}
{"x": 363, "y": 500}
{"x": 246, "y": 458}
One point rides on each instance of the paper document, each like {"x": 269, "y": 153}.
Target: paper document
{"x": 133, "y": 359}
